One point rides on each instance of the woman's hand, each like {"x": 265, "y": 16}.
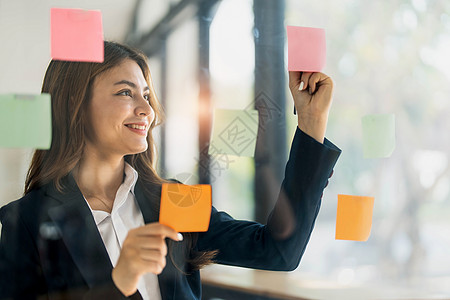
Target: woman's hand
{"x": 143, "y": 251}
{"x": 312, "y": 93}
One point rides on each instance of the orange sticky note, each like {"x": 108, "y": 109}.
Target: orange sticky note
{"x": 306, "y": 49}
{"x": 354, "y": 217}
{"x": 76, "y": 34}
{"x": 186, "y": 208}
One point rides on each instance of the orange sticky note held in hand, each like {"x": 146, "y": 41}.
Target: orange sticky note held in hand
{"x": 185, "y": 208}
{"x": 306, "y": 49}
{"x": 354, "y": 217}
{"x": 76, "y": 35}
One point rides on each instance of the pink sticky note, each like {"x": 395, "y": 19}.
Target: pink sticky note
{"x": 76, "y": 35}
{"x": 306, "y": 49}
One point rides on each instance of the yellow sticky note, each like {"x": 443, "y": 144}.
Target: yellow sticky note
{"x": 378, "y": 135}
{"x": 354, "y": 217}
{"x": 186, "y": 208}
{"x": 234, "y": 132}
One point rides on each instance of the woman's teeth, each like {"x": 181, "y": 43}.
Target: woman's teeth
{"x": 140, "y": 127}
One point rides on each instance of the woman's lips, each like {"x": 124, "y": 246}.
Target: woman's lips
{"x": 138, "y": 128}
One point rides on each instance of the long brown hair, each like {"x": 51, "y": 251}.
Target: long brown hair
{"x": 70, "y": 87}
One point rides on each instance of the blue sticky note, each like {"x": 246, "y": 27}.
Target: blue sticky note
{"x": 25, "y": 121}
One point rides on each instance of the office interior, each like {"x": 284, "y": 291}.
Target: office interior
{"x": 384, "y": 57}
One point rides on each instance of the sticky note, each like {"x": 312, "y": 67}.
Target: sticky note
{"x": 25, "y": 121}
{"x": 354, "y": 217}
{"x": 76, "y": 35}
{"x": 234, "y": 132}
{"x": 306, "y": 49}
{"x": 378, "y": 135}
{"x": 186, "y": 208}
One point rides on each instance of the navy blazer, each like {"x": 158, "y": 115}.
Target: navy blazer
{"x": 51, "y": 249}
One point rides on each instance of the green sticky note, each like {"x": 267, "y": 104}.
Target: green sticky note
{"x": 25, "y": 121}
{"x": 378, "y": 135}
{"x": 234, "y": 132}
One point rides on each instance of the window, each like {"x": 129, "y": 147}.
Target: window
{"x": 386, "y": 57}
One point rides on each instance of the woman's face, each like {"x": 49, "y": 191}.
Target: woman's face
{"x": 119, "y": 111}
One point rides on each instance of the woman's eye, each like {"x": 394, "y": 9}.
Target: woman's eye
{"x": 125, "y": 93}
{"x": 147, "y": 97}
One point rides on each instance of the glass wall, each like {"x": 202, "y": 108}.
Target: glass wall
{"x": 386, "y": 57}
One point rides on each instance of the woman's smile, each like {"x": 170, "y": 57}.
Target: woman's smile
{"x": 120, "y": 98}
{"x": 139, "y": 128}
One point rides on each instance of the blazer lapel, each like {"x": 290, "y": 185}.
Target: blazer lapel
{"x": 150, "y": 210}
{"x": 149, "y": 207}
{"x": 80, "y": 234}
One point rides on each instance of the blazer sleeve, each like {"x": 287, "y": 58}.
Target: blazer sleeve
{"x": 280, "y": 244}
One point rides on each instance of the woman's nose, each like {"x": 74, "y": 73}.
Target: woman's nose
{"x": 144, "y": 108}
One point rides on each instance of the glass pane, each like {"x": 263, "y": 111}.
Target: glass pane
{"x": 182, "y": 102}
{"x": 386, "y": 57}
{"x": 232, "y": 62}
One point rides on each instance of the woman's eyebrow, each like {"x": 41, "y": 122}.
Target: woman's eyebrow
{"x": 131, "y": 84}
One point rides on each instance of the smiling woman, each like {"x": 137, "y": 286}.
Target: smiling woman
{"x": 119, "y": 112}
{"x": 102, "y": 119}
{"x": 88, "y": 227}
{"x": 77, "y": 104}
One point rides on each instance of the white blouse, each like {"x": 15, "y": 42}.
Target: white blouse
{"x": 114, "y": 227}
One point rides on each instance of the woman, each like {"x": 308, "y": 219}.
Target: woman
{"x": 88, "y": 227}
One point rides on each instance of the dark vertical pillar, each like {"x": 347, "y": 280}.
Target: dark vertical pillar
{"x": 205, "y": 109}
{"x": 270, "y": 86}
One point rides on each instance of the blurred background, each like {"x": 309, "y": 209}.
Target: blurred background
{"x": 384, "y": 57}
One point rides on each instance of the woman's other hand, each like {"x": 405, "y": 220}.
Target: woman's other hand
{"x": 312, "y": 93}
{"x": 144, "y": 251}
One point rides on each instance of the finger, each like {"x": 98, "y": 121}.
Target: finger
{"x": 294, "y": 79}
{"x": 152, "y": 255}
{"x": 160, "y": 229}
{"x": 155, "y": 267}
{"x": 318, "y": 79}
{"x": 151, "y": 243}
{"x": 305, "y": 79}
{"x": 313, "y": 80}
